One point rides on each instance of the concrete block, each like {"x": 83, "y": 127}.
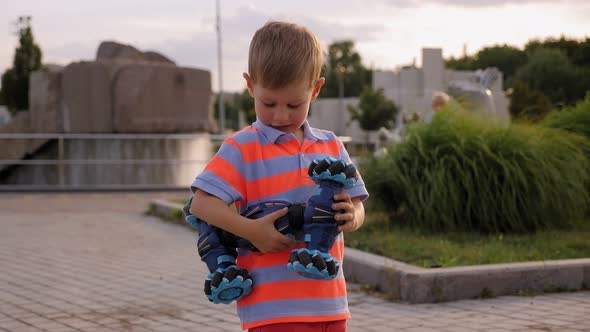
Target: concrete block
{"x": 87, "y": 97}
{"x": 448, "y": 284}
{"x": 586, "y": 284}
{"x": 164, "y": 209}
{"x": 150, "y": 97}
{"x": 11, "y": 149}
{"x": 45, "y": 101}
{"x": 110, "y": 50}
{"x": 376, "y": 271}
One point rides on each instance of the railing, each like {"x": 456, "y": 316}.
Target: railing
{"x": 61, "y": 161}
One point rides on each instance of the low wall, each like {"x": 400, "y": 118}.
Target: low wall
{"x": 112, "y": 163}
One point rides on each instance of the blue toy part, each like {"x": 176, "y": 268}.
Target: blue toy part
{"x": 313, "y": 264}
{"x": 332, "y": 169}
{"x": 217, "y": 248}
{"x": 190, "y": 218}
{"x": 320, "y": 228}
{"x": 228, "y": 284}
{"x": 212, "y": 249}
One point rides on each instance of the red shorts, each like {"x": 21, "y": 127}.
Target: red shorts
{"x": 333, "y": 326}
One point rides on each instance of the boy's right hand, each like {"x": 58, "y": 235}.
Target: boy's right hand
{"x": 266, "y": 238}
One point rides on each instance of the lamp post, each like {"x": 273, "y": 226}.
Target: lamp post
{"x": 340, "y": 71}
{"x": 220, "y": 104}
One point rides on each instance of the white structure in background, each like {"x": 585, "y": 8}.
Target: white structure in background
{"x": 412, "y": 88}
{"x": 330, "y": 114}
{"x": 4, "y": 115}
{"x": 478, "y": 94}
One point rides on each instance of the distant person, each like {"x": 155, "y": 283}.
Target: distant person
{"x": 268, "y": 161}
{"x": 439, "y": 101}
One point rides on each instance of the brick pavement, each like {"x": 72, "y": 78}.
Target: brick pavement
{"x": 93, "y": 262}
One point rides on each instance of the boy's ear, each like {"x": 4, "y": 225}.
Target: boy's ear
{"x": 317, "y": 87}
{"x": 249, "y": 83}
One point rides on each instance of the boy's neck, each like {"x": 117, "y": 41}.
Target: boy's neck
{"x": 299, "y": 134}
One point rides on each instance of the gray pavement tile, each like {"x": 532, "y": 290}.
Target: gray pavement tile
{"x": 95, "y": 263}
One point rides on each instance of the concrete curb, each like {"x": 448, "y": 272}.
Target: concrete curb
{"x": 418, "y": 285}
{"x": 165, "y": 209}
{"x": 413, "y": 284}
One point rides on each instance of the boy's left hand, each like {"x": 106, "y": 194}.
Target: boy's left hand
{"x": 346, "y": 213}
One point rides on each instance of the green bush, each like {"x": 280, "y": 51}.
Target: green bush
{"x": 461, "y": 173}
{"x": 575, "y": 119}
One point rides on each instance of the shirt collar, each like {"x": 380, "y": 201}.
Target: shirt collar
{"x": 273, "y": 134}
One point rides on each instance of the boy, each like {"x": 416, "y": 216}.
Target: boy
{"x": 268, "y": 161}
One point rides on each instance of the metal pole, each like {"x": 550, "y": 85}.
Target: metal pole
{"x": 60, "y": 162}
{"x": 341, "y": 105}
{"x": 340, "y": 73}
{"x": 220, "y": 106}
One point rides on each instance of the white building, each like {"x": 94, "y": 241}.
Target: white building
{"x": 410, "y": 87}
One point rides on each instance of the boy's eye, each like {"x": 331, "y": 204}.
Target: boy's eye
{"x": 293, "y": 106}
{"x": 269, "y": 105}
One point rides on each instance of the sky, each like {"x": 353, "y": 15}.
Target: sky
{"x": 387, "y": 33}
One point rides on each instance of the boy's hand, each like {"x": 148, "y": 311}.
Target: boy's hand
{"x": 266, "y": 238}
{"x": 347, "y": 213}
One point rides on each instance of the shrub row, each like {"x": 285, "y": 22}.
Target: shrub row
{"x": 463, "y": 173}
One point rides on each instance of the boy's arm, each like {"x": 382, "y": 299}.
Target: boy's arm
{"x": 262, "y": 234}
{"x": 353, "y": 212}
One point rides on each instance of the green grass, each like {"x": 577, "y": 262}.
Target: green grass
{"x": 463, "y": 248}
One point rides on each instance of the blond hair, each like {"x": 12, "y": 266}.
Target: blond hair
{"x": 439, "y": 99}
{"x": 282, "y": 53}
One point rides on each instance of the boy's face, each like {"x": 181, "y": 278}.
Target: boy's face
{"x": 285, "y": 108}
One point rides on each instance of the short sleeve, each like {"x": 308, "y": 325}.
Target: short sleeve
{"x": 223, "y": 176}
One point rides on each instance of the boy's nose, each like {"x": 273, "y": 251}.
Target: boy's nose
{"x": 281, "y": 115}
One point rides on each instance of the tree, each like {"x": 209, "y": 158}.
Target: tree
{"x": 344, "y": 63}
{"x": 234, "y": 104}
{"x": 374, "y": 110}
{"x": 2, "y": 102}
{"x": 558, "y": 68}
{"x": 463, "y": 63}
{"x": 231, "y": 111}
{"x": 582, "y": 55}
{"x": 568, "y": 46}
{"x": 245, "y": 104}
{"x": 27, "y": 59}
{"x": 506, "y": 58}
{"x": 528, "y": 104}
{"x": 552, "y": 73}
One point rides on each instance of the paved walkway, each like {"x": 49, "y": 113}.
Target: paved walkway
{"x": 94, "y": 262}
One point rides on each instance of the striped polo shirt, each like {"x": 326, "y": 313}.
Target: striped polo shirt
{"x": 258, "y": 164}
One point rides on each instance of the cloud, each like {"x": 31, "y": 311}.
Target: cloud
{"x": 386, "y": 32}
{"x": 200, "y": 50}
{"x": 69, "y": 52}
{"x": 463, "y": 3}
